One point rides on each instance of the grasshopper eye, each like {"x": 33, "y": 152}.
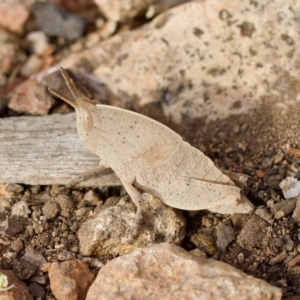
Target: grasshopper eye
{"x": 87, "y": 122}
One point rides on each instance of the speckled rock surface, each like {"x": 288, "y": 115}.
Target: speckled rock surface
{"x": 112, "y": 230}
{"x": 70, "y": 279}
{"x": 166, "y": 272}
{"x": 212, "y": 58}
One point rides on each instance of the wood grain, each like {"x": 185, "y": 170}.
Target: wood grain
{"x": 46, "y": 150}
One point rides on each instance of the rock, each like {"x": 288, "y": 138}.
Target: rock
{"x": 17, "y": 245}
{"x": 294, "y": 277}
{"x": 23, "y": 269}
{"x": 39, "y": 43}
{"x": 31, "y": 98}
{"x": 33, "y": 65}
{"x": 253, "y": 234}
{"x": 283, "y": 208}
{"x": 278, "y": 158}
{"x": 296, "y": 213}
{"x": 18, "y": 291}
{"x": 36, "y": 290}
{"x": 260, "y": 173}
{"x": 50, "y": 209}
{"x": 9, "y": 53}
{"x": 70, "y": 280}
{"x": 15, "y": 188}
{"x": 178, "y": 49}
{"x": 264, "y": 214}
{"x": 20, "y": 209}
{"x": 13, "y": 15}
{"x": 290, "y": 187}
{"x": 171, "y": 56}
{"x": 168, "y": 272}
{"x": 108, "y": 29}
{"x": 66, "y": 205}
{"x": 39, "y": 279}
{"x": 267, "y": 162}
{"x": 273, "y": 181}
{"x": 121, "y": 11}
{"x": 112, "y": 230}
{"x": 204, "y": 243}
{"x": 34, "y": 257}
{"x": 225, "y": 235}
{"x": 65, "y": 255}
{"x": 55, "y": 22}
{"x": 92, "y": 198}
{"x": 14, "y": 226}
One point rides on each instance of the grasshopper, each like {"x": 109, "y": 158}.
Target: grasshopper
{"x": 148, "y": 156}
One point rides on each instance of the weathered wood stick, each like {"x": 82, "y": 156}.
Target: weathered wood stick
{"x": 46, "y": 150}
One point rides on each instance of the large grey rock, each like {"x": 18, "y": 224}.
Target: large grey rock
{"x": 168, "y": 272}
{"x": 212, "y": 58}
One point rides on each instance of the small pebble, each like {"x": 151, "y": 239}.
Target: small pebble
{"x": 33, "y": 65}
{"x": 20, "y": 209}
{"x": 14, "y": 226}
{"x": 278, "y": 242}
{"x": 204, "y": 243}
{"x": 38, "y": 42}
{"x": 50, "y": 209}
{"x": 17, "y": 245}
{"x": 283, "y": 208}
{"x": 92, "y": 198}
{"x": 65, "y": 255}
{"x": 241, "y": 257}
{"x": 267, "y": 162}
{"x": 55, "y": 22}
{"x": 236, "y": 129}
{"x": 225, "y": 235}
{"x": 260, "y": 173}
{"x": 14, "y": 187}
{"x": 34, "y": 257}
{"x": 39, "y": 279}
{"x": 36, "y": 290}
{"x": 278, "y": 158}
{"x": 264, "y": 214}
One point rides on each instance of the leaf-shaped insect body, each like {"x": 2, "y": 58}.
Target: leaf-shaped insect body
{"x": 148, "y": 156}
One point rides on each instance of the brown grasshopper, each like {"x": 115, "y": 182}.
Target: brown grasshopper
{"x": 148, "y": 156}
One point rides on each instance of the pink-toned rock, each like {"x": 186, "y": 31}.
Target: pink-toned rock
{"x": 166, "y": 271}
{"x": 33, "y": 65}
{"x": 92, "y": 198}
{"x": 18, "y": 291}
{"x": 8, "y": 57}
{"x": 31, "y": 98}
{"x": 13, "y": 15}
{"x": 70, "y": 280}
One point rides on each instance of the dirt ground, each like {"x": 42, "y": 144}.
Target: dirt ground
{"x": 255, "y": 144}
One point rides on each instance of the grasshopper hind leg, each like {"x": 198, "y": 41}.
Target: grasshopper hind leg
{"x": 86, "y": 175}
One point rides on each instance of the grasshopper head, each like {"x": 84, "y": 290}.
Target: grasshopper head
{"x": 88, "y": 116}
